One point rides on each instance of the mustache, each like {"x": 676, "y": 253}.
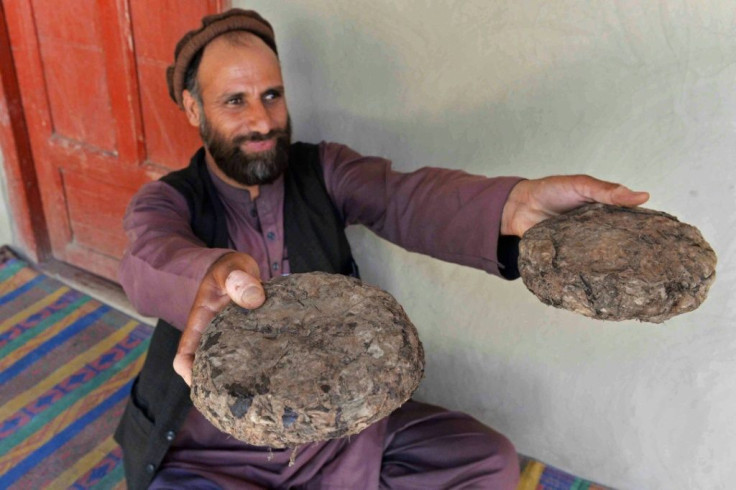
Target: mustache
{"x": 274, "y": 133}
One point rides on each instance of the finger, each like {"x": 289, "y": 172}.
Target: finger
{"x": 212, "y": 296}
{"x": 183, "y": 366}
{"x": 228, "y": 263}
{"x": 623, "y": 196}
{"x": 595, "y": 190}
{"x": 207, "y": 303}
{"x": 244, "y": 289}
{"x": 231, "y": 276}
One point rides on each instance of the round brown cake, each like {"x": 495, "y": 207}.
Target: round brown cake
{"x": 616, "y": 263}
{"x": 324, "y": 357}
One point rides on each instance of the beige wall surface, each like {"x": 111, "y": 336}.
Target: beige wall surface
{"x": 641, "y": 92}
{"x": 6, "y": 230}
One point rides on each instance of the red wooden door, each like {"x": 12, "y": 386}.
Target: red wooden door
{"x": 100, "y": 123}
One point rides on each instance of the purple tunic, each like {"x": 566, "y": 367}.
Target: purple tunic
{"x": 447, "y": 214}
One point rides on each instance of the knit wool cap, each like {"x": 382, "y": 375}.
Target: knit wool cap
{"x": 213, "y": 26}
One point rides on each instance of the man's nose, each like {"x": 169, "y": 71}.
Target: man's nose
{"x": 258, "y": 119}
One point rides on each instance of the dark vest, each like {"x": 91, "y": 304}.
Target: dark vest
{"x": 315, "y": 239}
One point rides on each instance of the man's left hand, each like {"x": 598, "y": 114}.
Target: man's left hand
{"x": 532, "y": 201}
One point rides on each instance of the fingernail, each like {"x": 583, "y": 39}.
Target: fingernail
{"x": 236, "y": 280}
{"x": 251, "y": 294}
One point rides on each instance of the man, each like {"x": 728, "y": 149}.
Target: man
{"x": 252, "y": 206}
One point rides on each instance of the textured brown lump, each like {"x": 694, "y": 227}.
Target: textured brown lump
{"x": 615, "y": 263}
{"x": 324, "y": 357}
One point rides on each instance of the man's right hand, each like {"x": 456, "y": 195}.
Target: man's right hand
{"x": 234, "y": 276}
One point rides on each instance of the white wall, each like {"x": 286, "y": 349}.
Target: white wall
{"x": 641, "y": 92}
{"x": 6, "y": 231}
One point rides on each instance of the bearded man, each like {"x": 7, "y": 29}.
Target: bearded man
{"x": 251, "y": 206}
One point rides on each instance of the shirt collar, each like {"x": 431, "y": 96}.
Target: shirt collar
{"x": 267, "y": 193}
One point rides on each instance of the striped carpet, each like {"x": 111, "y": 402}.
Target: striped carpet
{"x": 66, "y": 366}
{"x": 539, "y": 476}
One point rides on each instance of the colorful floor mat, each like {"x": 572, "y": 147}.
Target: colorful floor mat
{"x": 66, "y": 365}
{"x": 539, "y": 476}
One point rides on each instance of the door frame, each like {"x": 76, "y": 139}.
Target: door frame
{"x": 27, "y": 216}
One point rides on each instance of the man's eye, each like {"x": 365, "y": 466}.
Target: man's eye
{"x": 271, "y": 95}
{"x": 234, "y": 100}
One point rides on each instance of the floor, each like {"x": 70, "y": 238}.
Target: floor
{"x": 99, "y": 288}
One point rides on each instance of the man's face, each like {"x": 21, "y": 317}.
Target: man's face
{"x": 243, "y": 118}
{"x": 244, "y": 167}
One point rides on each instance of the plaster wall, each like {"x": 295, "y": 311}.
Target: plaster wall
{"x": 6, "y": 230}
{"x": 639, "y": 92}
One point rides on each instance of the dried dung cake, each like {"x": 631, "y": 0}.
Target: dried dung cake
{"x": 616, "y": 263}
{"x": 324, "y": 357}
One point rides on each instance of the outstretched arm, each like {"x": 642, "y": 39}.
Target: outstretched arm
{"x": 532, "y": 201}
{"x": 452, "y": 215}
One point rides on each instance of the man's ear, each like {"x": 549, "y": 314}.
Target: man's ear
{"x": 191, "y": 107}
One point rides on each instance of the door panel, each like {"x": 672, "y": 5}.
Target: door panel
{"x": 168, "y": 135}
{"x": 79, "y": 106}
{"x": 92, "y": 216}
{"x": 100, "y": 122}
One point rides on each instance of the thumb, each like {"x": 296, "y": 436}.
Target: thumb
{"x": 623, "y": 196}
{"x": 244, "y": 289}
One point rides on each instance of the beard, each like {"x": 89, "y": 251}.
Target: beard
{"x": 248, "y": 169}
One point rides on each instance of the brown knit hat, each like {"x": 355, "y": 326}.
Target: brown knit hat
{"x": 212, "y": 26}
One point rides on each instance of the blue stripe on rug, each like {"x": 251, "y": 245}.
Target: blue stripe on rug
{"x": 63, "y": 437}
{"x": 10, "y": 268}
{"x": 39, "y": 320}
{"x": 52, "y": 343}
{"x": 21, "y": 290}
